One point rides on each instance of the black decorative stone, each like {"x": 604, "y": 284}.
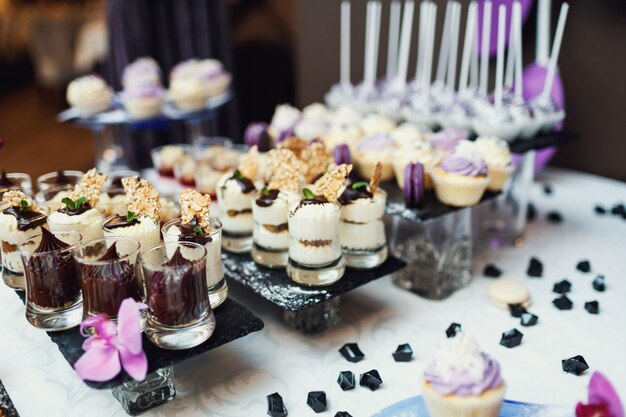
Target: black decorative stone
{"x": 352, "y": 352}
{"x": 492, "y": 271}
{"x": 317, "y": 401}
{"x": 346, "y": 380}
{"x": 453, "y": 329}
{"x": 563, "y": 303}
{"x": 528, "y": 319}
{"x": 531, "y": 212}
{"x": 575, "y": 365}
{"x": 275, "y": 286}
{"x": 343, "y": 414}
{"x": 562, "y": 287}
{"x": 371, "y": 379}
{"x": 554, "y": 217}
{"x": 6, "y": 405}
{"x": 599, "y": 209}
{"x": 593, "y": 307}
{"x": 618, "y": 209}
{"x": 511, "y": 338}
{"x": 276, "y": 406}
{"x": 403, "y": 353}
{"x": 547, "y": 189}
{"x": 535, "y": 268}
{"x": 584, "y": 266}
{"x": 516, "y": 310}
{"x": 598, "y": 283}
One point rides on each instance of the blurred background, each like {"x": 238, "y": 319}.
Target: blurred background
{"x": 279, "y": 51}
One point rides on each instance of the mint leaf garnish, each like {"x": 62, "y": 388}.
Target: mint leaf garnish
{"x": 130, "y": 216}
{"x": 74, "y": 205}
{"x": 265, "y": 191}
{"x": 360, "y": 184}
{"x": 238, "y": 174}
{"x": 24, "y": 206}
{"x": 198, "y": 231}
{"x": 308, "y": 194}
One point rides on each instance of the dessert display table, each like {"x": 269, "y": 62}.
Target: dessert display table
{"x": 234, "y": 380}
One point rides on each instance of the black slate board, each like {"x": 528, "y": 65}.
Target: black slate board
{"x": 234, "y": 321}
{"x": 275, "y": 286}
{"x": 6, "y": 405}
{"x": 543, "y": 140}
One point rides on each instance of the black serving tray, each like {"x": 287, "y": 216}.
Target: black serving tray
{"x": 233, "y": 320}
{"x": 543, "y": 140}
{"x": 6, "y": 405}
{"x": 275, "y": 286}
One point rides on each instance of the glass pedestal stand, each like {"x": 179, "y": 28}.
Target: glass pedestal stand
{"x": 108, "y": 152}
{"x": 315, "y": 319}
{"x": 137, "y": 397}
{"x": 501, "y": 222}
{"x": 438, "y": 253}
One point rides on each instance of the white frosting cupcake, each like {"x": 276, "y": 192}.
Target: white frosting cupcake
{"x": 89, "y": 95}
{"x": 498, "y": 158}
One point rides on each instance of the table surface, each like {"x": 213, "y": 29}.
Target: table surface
{"x": 233, "y": 380}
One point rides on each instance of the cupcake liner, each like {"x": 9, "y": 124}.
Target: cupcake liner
{"x": 498, "y": 177}
{"x": 487, "y": 404}
{"x": 458, "y": 190}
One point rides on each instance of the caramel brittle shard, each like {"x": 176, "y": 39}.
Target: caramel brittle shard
{"x": 142, "y": 198}
{"x": 89, "y": 187}
{"x": 376, "y": 174}
{"x": 332, "y": 181}
{"x": 14, "y": 199}
{"x": 295, "y": 145}
{"x": 318, "y": 158}
{"x": 286, "y": 170}
{"x": 193, "y": 204}
{"x": 250, "y": 163}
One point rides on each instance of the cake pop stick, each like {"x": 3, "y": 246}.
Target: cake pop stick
{"x": 405, "y": 43}
{"x": 510, "y": 55}
{"x": 419, "y": 66}
{"x": 392, "y": 42}
{"x": 442, "y": 64}
{"x": 430, "y": 45}
{"x": 369, "y": 42}
{"x": 554, "y": 55}
{"x": 454, "y": 44}
{"x": 500, "y": 56}
{"x": 377, "y": 18}
{"x": 344, "y": 71}
{"x": 474, "y": 59}
{"x": 484, "y": 53}
{"x": 468, "y": 46}
{"x": 517, "y": 21}
{"x": 543, "y": 32}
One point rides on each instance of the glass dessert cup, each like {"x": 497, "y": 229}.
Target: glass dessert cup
{"x": 362, "y": 230}
{"x": 109, "y": 275}
{"x": 170, "y": 207}
{"x": 144, "y": 230}
{"x": 184, "y": 171}
{"x": 206, "y": 179}
{"x": 235, "y": 203}
{"x": 179, "y": 312}
{"x": 207, "y": 149}
{"x": 165, "y": 157}
{"x": 53, "y": 292}
{"x": 270, "y": 235}
{"x": 87, "y": 224}
{"x": 59, "y": 178}
{"x": 315, "y": 257}
{"x": 112, "y": 201}
{"x": 212, "y": 242}
{"x": 53, "y": 195}
{"x": 16, "y": 181}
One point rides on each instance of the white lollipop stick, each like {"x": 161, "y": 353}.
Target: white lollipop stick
{"x": 517, "y": 20}
{"x": 344, "y": 71}
{"x": 421, "y": 39}
{"x": 554, "y": 55}
{"x": 454, "y": 44}
{"x": 392, "y": 43}
{"x": 510, "y": 54}
{"x": 468, "y": 46}
{"x": 445, "y": 42}
{"x": 405, "y": 42}
{"x": 368, "y": 76}
{"x": 484, "y": 53}
{"x": 543, "y": 32}
{"x": 475, "y": 51}
{"x": 377, "y": 17}
{"x": 500, "y": 55}
{"x": 430, "y": 45}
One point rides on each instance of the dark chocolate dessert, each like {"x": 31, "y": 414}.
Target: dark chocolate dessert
{"x": 178, "y": 296}
{"x": 52, "y": 281}
{"x": 267, "y": 198}
{"x": 354, "y": 193}
{"x": 26, "y": 219}
{"x": 193, "y": 232}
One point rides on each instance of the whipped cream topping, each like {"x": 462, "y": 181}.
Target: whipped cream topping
{"x": 406, "y": 134}
{"x": 375, "y": 123}
{"x": 346, "y": 115}
{"x": 143, "y": 90}
{"x": 88, "y": 89}
{"x": 465, "y": 160}
{"x": 311, "y": 128}
{"x": 144, "y": 70}
{"x": 285, "y": 117}
{"x": 209, "y": 69}
{"x": 460, "y": 368}
{"x": 316, "y": 111}
{"x": 376, "y": 142}
{"x": 494, "y": 150}
{"x": 448, "y": 139}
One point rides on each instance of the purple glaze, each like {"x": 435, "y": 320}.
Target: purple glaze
{"x": 456, "y": 164}
{"x": 376, "y": 141}
{"x": 447, "y": 139}
{"x": 462, "y": 383}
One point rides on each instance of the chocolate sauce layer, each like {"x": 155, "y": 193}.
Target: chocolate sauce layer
{"x": 6, "y": 181}
{"x": 52, "y": 280}
{"x": 246, "y": 185}
{"x": 308, "y": 201}
{"x": 268, "y": 199}
{"x": 187, "y": 233}
{"x": 120, "y": 221}
{"x": 352, "y": 194}
{"x": 80, "y": 210}
{"x": 178, "y": 295}
{"x": 106, "y": 285}
{"x": 26, "y": 220}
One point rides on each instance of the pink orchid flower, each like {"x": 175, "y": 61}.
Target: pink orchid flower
{"x": 114, "y": 346}
{"x": 602, "y": 399}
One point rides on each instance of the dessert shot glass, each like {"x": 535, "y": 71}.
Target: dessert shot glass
{"x": 270, "y": 235}
{"x": 235, "y": 204}
{"x": 53, "y": 292}
{"x": 16, "y": 181}
{"x": 165, "y": 157}
{"x": 315, "y": 257}
{"x": 59, "y": 178}
{"x": 179, "y": 312}
{"x": 52, "y": 196}
{"x": 143, "y": 229}
{"x": 174, "y": 232}
{"x": 88, "y": 224}
{"x": 109, "y": 275}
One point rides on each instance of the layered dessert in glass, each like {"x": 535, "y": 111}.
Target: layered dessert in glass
{"x": 20, "y": 219}
{"x": 165, "y": 157}
{"x": 113, "y": 198}
{"x": 57, "y": 178}
{"x": 362, "y": 227}
{"x": 15, "y": 181}
{"x": 196, "y": 225}
{"x": 52, "y": 196}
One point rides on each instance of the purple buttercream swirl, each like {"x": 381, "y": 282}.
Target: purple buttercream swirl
{"x": 447, "y": 139}
{"x": 376, "y": 141}
{"x": 143, "y": 90}
{"x": 456, "y": 164}
{"x": 462, "y": 382}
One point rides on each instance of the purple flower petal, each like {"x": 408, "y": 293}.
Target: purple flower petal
{"x": 135, "y": 364}
{"x": 129, "y": 325}
{"x": 98, "y": 364}
{"x": 602, "y": 392}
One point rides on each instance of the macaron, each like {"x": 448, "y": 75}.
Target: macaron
{"x": 256, "y": 134}
{"x": 413, "y": 184}
{"x": 341, "y": 154}
{"x": 504, "y": 292}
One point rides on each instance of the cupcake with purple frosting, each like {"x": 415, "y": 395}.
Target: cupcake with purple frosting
{"x": 143, "y": 100}
{"x": 446, "y": 140}
{"x": 462, "y": 381}
{"x": 462, "y": 177}
{"x": 372, "y": 149}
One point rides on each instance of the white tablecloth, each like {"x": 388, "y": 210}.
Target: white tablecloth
{"x": 234, "y": 379}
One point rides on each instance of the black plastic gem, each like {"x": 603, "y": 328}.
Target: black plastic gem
{"x": 531, "y": 213}
{"x": 547, "y": 189}
{"x": 317, "y": 401}
{"x": 351, "y": 352}
{"x": 563, "y": 303}
{"x": 554, "y": 217}
{"x": 575, "y": 365}
{"x": 516, "y": 310}
{"x": 535, "y": 268}
{"x": 528, "y": 319}
{"x": 492, "y": 271}
{"x": 511, "y": 338}
{"x": 453, "y": 329}
{"x": 275, "y": 406}
{"x": 403, "y": 353}
{"x": 618, "y": 209}
{"x": 598, "y": 283}
{"x": 599, "y": 209}
{"x": 593, "y": 307}
{"x": 346, "y": 380}
{"x": 583, "y": 266}
{"x": 562, "y": 287}
{"x": 371, "y": 379}
{"x": 343, "y": 414}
